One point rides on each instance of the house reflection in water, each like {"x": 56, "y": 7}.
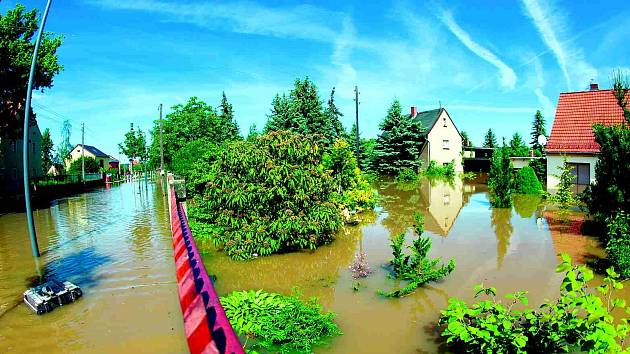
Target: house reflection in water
{"x": 440, "y": 201}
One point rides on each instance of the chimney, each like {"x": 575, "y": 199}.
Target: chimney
{"x": 594, "y": 86}
{"x": 414, "y": 111}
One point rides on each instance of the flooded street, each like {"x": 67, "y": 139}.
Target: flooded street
{"x": 509, "y": 249}
{"x": 115, "y": 244}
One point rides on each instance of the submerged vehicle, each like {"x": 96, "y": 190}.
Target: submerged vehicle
{"x": 46, "y": 297}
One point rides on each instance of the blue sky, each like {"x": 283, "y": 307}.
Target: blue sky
{"x": 491, "y": 65}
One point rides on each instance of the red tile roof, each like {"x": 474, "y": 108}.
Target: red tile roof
{"x": 577, "y": 112}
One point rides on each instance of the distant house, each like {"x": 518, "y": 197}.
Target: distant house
{"x": 443, "y": 142}
{"x": 11, "y": 172}
{"x": 101, "y": 158}
{"x": 113, "y": 162}
{"x": 572, "y": 133}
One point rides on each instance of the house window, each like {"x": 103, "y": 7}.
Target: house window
{"x": 582, "y": 173}
{"x": 445, "y": 145}
{"x": 444, "y": 119}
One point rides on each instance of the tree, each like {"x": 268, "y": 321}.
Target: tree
{"x": 135, "y": 145}
{"x": 538, "y": 129}
{"x": 490, "y": 140}
{"x": 302, "y": 112}
{"x": 610, "y": 193}
{"x": 466, "y": 142}
{"x": 517, "y": 146}
{"x": 253, "y": 132}
{"x": 91, "y": 166}
{"x": 280, "y": 117}
{"x": 17, "y": 28}
{"x": 227, "y": 124}
{"x": 64, "y": 147}
{"x": 400, "y": 142}
{"x": 500, "y": 178}
{"x": 47, "y": 150}
{"x": 564, "y": 195}
{"x": 333, "y": 115}
{"x": 188, "y": 122}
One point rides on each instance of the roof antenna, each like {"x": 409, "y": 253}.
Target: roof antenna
{"x": 440, "y": 102}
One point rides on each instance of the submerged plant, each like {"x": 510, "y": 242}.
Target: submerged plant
{"x": 416, "y": 268}
{"x": 360, "y": 267}
{"x": 579, "y": 321}
{"x": 278, "y": 323}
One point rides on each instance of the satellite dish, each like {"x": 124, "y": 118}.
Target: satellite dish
{"x": 542, "y": 140}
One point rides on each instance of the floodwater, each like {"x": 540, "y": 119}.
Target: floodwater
{"x": 510, "y": 249}
{"x": 115, "y": 244}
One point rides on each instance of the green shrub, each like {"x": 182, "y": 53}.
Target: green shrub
{"x": 190, "y": 161}
{"x": 540, "y": 167}
{"x": 268, "y": 196}
{"x": 353, "y": 189}
{"x": 579, "y": 321}
{"x": 433, "y": 170}
{"x": 526, "y": 181}
{"x": 416, "y": 268}
{"x": 91, "y": 166}
{"x": 279, "y": 323}
{"x": 500, "y": 178}
{"x": 407, "y": 175}
{"x": 618, "y": 247}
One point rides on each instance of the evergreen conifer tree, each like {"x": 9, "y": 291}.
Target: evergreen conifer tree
{"x": 500, "y": 178}
{"x": 280, "y": 116}
{"x": 490, "y": 140}
{"x": 333, "y": 116}
{"x": 227, "y": 124}
{"x": 517, "y": 146}
{"x": 400, "y": 142}
{"x": 538, "y": 128}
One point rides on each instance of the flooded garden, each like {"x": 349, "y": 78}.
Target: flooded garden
{"x": 510, "y": 249}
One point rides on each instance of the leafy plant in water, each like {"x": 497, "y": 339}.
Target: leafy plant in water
{"x": 407, "y": 175}
{"x": 416, "y": 268}
{"x": 433, "y": 170}
{"x": 279, "y": 323}
{"x": 579, "y": 321}
{"x": 360, "y": 267}
{"x": 564, "y": 197}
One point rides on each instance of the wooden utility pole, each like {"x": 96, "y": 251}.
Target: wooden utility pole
{"x": 356, "y": 104}
{"x": 83, "y": 152}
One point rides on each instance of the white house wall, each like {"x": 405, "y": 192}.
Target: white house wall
{"x": 555, "y": 162}
{"x": 438, "y": 134}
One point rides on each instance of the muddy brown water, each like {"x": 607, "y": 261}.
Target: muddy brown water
{"x": 115, "y": 244}
{"x": 510, "y": 249}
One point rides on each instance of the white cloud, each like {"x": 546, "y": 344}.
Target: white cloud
{"x": 551, "y": 27}
{"x": 508, "y": 76}
{"x": 548, "y": 107}
{"x": 300, "y": 21}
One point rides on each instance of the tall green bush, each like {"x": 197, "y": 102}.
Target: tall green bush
{"x": 91, "y": 166}
{"x": 611, "y": 191}
{"x": 268, "y": 196}
{"x": 500, "y": 178}
{"x": 618, "y": 247}
{"x": 526, "y": 182}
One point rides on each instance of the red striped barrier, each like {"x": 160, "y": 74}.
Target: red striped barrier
{"x": 207, "y": 328}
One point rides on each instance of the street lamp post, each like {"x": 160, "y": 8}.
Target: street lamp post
{"x": 27, "y": 113}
